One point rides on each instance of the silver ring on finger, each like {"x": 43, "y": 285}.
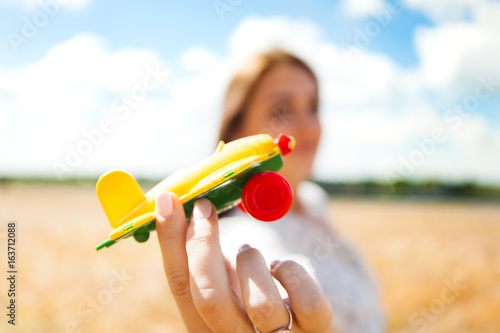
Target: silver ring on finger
{"x": 286, "y": 329}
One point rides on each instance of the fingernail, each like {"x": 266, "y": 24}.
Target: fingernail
{"x": 243, "y": 247}
{"x": 164, "y": 204}
{"x": 202, "y": 209}
{"x": 275, "y": 263}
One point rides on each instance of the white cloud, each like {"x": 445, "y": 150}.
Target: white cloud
{"x": 446, "y": 9}
{"x": 197, "y": 58}
{"x": 454, "y": 55}
{"x": 256, "y": 34}
{"x": 469, "y": 152}
{"x": 362, "y": 8}
{"x": 52, "y": 101}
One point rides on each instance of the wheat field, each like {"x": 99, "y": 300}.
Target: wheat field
{"x": 437, "y": 263}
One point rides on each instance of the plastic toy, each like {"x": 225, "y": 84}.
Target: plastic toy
{"x": 241, "y": 172}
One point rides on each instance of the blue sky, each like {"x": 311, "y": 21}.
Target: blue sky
{"x": 158, "y": 25}
{"x": 394, "y": 75}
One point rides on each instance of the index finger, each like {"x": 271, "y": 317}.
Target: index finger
{"x": 171, "y": 228}
{"x": 210, "y": 288}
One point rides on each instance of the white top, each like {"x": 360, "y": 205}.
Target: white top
{"x": 329, "y": 259}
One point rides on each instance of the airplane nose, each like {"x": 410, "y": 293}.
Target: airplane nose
{"x": 285, "y": 143}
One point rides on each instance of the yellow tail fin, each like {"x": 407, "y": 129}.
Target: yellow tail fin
{"x": 121, "y": 197}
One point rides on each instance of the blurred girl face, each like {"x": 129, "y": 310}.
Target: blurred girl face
{"x": 286, "y": 101}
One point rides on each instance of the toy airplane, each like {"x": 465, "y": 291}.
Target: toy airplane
{"x": 241, "y": 172}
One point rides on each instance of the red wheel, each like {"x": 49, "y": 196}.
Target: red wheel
{"x": 267, "y": 196}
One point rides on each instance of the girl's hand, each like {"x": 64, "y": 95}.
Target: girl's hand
{"x": 199, "y": 279}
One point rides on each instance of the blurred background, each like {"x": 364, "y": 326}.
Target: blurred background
{"x": 410, "y": 153}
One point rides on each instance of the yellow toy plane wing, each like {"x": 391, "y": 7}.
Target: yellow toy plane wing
{"x": 121, "y": 197}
